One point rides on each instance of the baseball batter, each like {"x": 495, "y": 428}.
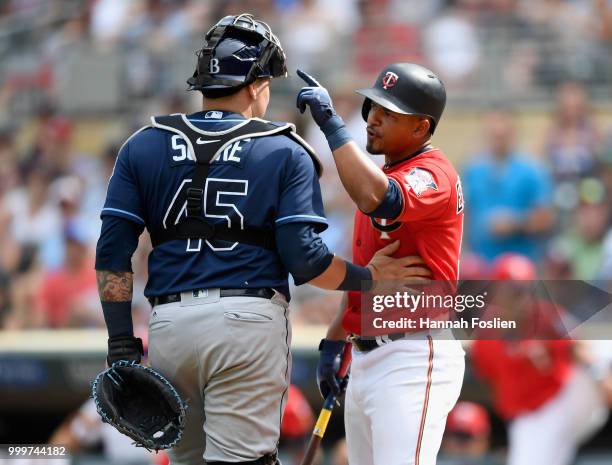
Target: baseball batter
{"x": 402, "y": 386}
{"x": 232, "y": 203}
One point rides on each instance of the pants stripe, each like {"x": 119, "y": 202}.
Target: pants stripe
{"x": 287, "y": 375}
{"x": 425, "y": 401}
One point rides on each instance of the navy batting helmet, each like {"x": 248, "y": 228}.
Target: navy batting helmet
{"x": 238, "y": 50}
{"x": 409, "y": 89}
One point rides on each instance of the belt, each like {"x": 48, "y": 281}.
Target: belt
{"x": 367, "y": 345}
{"x": 263, "y": 293}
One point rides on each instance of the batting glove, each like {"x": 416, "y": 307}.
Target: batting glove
{"x": 317, "y": 98}
{"x": 124, "y": 348}
{"x": 330, "y": 360}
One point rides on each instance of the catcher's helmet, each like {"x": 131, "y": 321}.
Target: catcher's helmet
{"x": 409, "y": 89}
{"x": 513, "y": 267}
{"x": 238, "y": 50}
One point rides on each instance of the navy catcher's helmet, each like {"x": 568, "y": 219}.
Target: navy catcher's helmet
{"x": 238, "y": 50}
{"x": 409, "y": 89}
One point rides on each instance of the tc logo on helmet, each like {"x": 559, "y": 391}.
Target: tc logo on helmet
{"x": 389, "y": 80}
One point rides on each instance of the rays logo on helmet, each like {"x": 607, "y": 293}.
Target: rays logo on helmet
{"x": 389, "y": 80}
{"x": 213, "y": 66}
{"x": 420, "y": 180}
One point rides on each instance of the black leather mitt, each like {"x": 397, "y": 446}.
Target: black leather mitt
{"x": 141, "y": 404}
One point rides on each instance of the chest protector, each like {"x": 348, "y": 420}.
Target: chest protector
{"x": 205, "y": 147}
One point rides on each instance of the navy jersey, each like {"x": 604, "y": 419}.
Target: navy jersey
{"x": 260, "y": 183}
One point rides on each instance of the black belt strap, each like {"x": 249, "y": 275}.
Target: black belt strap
{"x": 366, "y": 345}
{"x": 262, "y": 293}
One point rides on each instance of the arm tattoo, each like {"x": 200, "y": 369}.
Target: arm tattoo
{"x": 114, "y": 286}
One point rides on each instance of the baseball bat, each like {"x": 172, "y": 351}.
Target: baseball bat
{"x": 325, "y": 414}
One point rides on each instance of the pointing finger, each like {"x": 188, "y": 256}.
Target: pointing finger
{"x": 308, "y": 78}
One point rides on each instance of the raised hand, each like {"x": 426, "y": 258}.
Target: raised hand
{"x": 317, "y": 98}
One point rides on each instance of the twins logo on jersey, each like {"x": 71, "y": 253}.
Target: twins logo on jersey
{"x": 420, "y": 180}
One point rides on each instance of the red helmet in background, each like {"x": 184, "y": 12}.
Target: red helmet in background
{"x": 473, "y": 267}
{"x": 298, "y": 418}
{"x": 468, "y": 418}
{"x": 513, "y": 267}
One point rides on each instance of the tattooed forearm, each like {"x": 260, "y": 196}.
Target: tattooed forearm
{"x": 114, "y": 286}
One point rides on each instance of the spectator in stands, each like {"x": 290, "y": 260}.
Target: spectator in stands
{"x": 9, "y": 177}
{"x": 509, "y": 195}
{"x": 66, "y": 297}
{"x": 604, "y": 169}
{"x": 29, "y": 216}
{"x": 467, "y": 434}
{"x": 573, "y": 140}
{"x": 95, "y": 181}
{"x": 452, "y": 45}
{"x": 382, "y": 39}
{"x": 309, "y": 34}
{"x": 109, "y": 20}
{"x": 417, "y": 11}
{"x": 603, "y": 18}
{"x": 67, "y": 193}
{"x": 582, "y": 243}
{"x": 51, "y": 148}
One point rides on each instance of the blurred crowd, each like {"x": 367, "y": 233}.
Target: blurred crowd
{"x": 514, "y": 48}
{"x": 552, "y": 205}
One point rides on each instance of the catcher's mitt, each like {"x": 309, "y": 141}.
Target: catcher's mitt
{"x": 141, "y": 404}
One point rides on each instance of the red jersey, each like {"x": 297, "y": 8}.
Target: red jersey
{"x": 526, "y": 373}
{"x": 430, "y": 224}
{"x": 60, "y": 290}
{"x": 523, "y": 375}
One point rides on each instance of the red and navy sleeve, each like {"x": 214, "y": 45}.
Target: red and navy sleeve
{"x": 426, "y": 192}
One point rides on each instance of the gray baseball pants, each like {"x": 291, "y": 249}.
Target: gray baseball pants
{"x": 229, "y": 358}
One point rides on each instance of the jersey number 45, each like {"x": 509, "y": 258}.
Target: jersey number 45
{"x": 218, "y": 203}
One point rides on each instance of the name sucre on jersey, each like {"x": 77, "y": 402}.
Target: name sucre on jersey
{"x": 232, "y": 154}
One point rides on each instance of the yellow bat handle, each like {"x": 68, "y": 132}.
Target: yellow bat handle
{"x": 322, "y": 421}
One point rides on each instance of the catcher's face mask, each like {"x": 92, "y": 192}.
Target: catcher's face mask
{"x": 239, "y": 49}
